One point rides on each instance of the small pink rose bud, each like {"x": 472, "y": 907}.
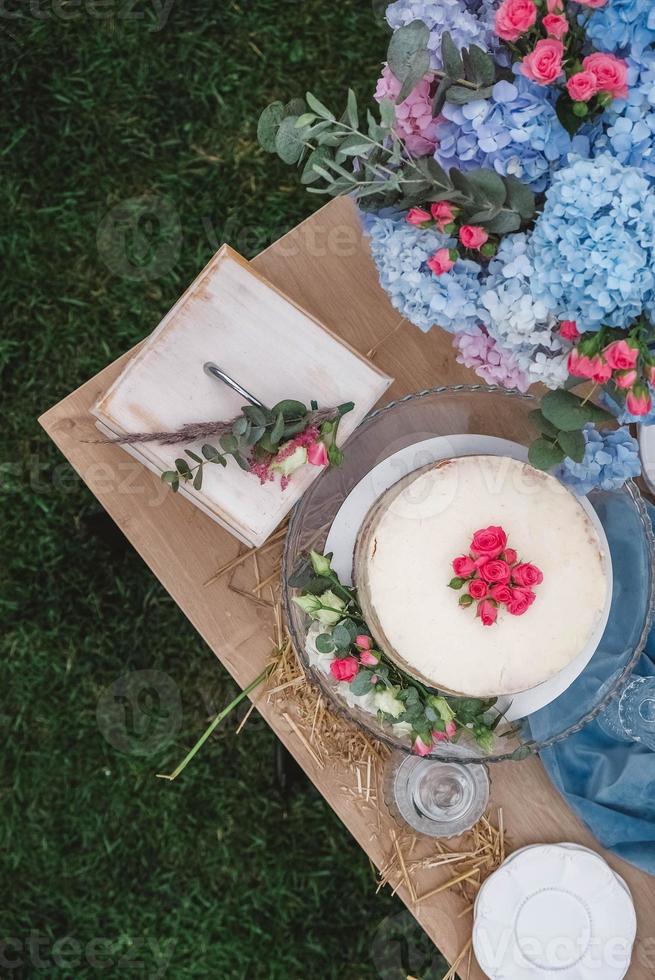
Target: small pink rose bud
{"x": 451, "y": 729}
{"x": 625, "y": 379}
{"x": 488, "y": 612}
{"x": 443, "y": 213}
{"x": 556, "y": 25}
{"x": 478, "y": 588}
{"x": 639, "y": 401}
{"x": 417, "y": 216}
{"x": 317, "y": 454}
{"x": 363, "y": 642}
{"x": 441, "y": 262}
{"x": 569, "y": 330}
{"x": 420, "y": 748}
{"x": 368, "y": 658}
{"x": 473, "y": 237}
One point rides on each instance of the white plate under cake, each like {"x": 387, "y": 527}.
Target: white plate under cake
{"x": 403, "y": 564}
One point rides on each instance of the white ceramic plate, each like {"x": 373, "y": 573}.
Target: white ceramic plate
{"x": 554, "y": 911}
{"x": 350, "y": 517}
{"x": 646, "y": 436}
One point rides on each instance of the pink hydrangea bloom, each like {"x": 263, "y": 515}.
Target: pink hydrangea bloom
{"x": 414, "y": 123}
{"x": 492, "y": 363}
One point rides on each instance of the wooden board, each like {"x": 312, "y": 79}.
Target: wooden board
{"x": 231, "y": 315}
{"x": 324, "y": 266}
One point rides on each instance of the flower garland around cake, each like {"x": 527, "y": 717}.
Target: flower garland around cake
{"x": 494, "y": 577}
{"x": 398, "y": 698}
{"x": 269, "y": 443}
{"x": 506, "y": 182}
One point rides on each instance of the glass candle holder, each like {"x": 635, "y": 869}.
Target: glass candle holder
{"x": 631, "y": 717}
{"x": 439, "y": 799}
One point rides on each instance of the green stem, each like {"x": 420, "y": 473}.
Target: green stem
{"x": 217, "y": 720}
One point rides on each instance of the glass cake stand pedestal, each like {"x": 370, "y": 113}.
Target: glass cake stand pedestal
{"x": 485, "y": 411}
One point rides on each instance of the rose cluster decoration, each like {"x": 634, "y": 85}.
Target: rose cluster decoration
{"x": 494, "y": 577}
{"x": 506, "y": 181}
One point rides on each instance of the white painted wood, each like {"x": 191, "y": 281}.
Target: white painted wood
{"x": 233, "y": 316}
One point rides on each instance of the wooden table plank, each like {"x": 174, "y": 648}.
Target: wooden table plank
{"x": 324, "y": 265}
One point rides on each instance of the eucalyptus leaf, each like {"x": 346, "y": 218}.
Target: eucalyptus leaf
{"x": 240, "y": 426}
{"x": 268, "y": 125}
{"x": 289, "y": 141}
{"x": 242, "y": 461}
{"x": 318, "y": 107}
{"x": 315, "y": 159}
{"x": 193, "y": 456}
{"x": 439, "y": 99}
{"x": 460, "y": 94}
{"x": 351, "y": 110}
{"x": 278, "y": 429}
{"x": 290, "y": 408}
{"x": 539, "y": 420}
{"x": 573, "y": 444}
{"x": 420, "y": 64}
{"x": 172, "y": 478}
{"x": 452, "y": 60}
{"x": 568, "y": 412}
{"x": 387, "y": 114}
{"x": 520, "y": 198}
{"x": 544, "y": 455}
{"x": 324, "y": 643}
{"x": 483, "y": 69}
{"x": 229, "y": 443}
{"x": 257, "y": 415}
{"x": 182, "y": 467}
{"x": 341, "y": 638}
{"x": 406, "y": 42}
{"x": 197, "y": 480}
{"x": 361, "y": 684}
{"x": 212, "y": 454}
{"x": 504, "y": 222}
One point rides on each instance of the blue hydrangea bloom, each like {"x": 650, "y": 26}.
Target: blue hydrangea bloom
{"x": 595, "y": 240}
{"x": 629, "y": 124}
{"x": 443, "y": 15}
{"x": 515, "y": 132}
{"x": 400, "y": 252}
{"x": 610, "y": 459}
{"x": 622, "y": 414}
{"x": 519, "y": 322}
{"x": 623, "y": 25}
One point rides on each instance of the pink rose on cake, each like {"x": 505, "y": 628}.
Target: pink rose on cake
{"x": 489, "y": 542}
{"x": 344, "y": 668}
{"x": 478, "y": 588}
{"x": 488, "y": 612}
{"x": 495, "y": 570}
{"x": 527, "y": 575}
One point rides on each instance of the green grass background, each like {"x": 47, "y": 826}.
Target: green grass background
{"x": 100, "y": 107}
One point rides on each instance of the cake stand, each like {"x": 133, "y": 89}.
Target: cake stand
{"x": 487, "y": 411}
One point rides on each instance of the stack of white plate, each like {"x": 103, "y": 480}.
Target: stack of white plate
{"x": 554, "y": 911}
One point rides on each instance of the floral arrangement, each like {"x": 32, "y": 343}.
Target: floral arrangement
{"x": 269, "y": 443}
{"x": 494, "y": 577}
{"x": 399, "y": 699}
{"x": 506, "y": 184}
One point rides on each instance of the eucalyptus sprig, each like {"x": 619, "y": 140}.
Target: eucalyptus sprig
{"x": 340, "y": 156}
{"x": 467, "y": 75}
{"x": 257, "y": 435}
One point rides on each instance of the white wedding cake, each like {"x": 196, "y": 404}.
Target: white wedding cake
{"x": 528, "y": 614}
